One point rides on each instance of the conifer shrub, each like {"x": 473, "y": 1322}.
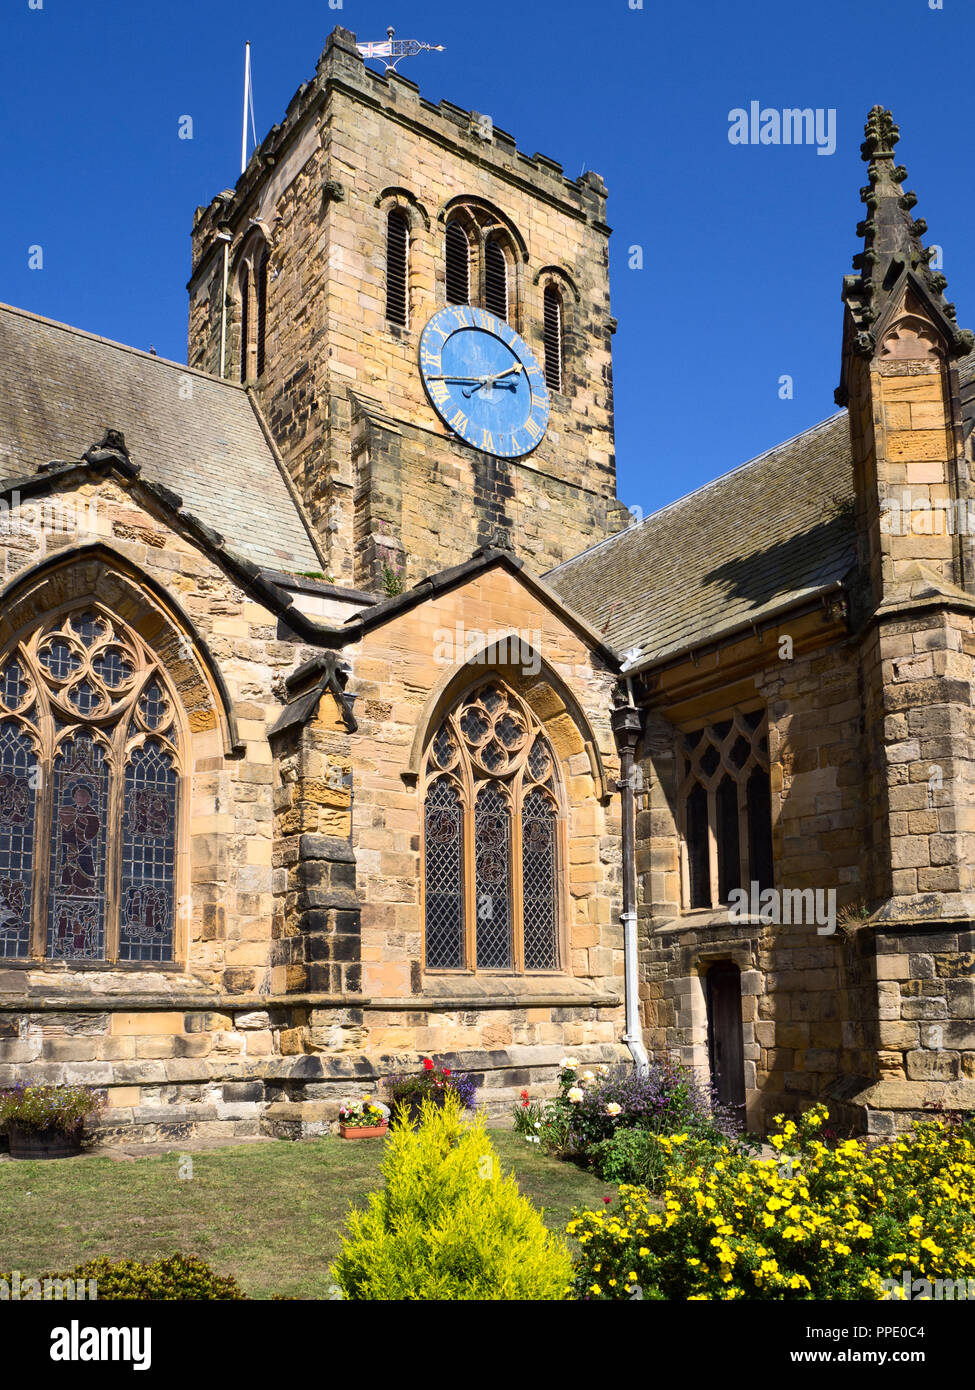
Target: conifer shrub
{"x": 174, "y": 1278}
{"x": 449, "y": 1224}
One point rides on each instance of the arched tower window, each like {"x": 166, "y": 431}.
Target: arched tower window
{"x": 458, "y": 253}
{"x": 246, "y": 318}
{"x": 397, "y": 267}
{"x": 554, "y": 339}
{"x": 491, "y": 840}
{"x": 261, "y": 310}
{"x": 496, "y": 280}
{"x": 252, "y": 276}
{"x": 89, "y": 795}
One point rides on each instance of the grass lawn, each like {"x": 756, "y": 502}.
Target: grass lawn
{"x": 270, "y": 1214}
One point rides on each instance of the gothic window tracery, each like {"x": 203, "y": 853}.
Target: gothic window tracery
{"x": 725, "y": 809}
{"x": 491, "y": 838}
{"x": 89, "y": 795}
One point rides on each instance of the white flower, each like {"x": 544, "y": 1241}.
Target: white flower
{"x": 587, "y": 1076}
{"x": 532, "y": 1139}
{"x": 568, "y": 1063}
{"x": 575, "y": 1095}
{"x": 603, "y": 1070}
{"x": 613, "y": 1109}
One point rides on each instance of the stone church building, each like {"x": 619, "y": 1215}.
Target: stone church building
{"x": 347, "y": 717}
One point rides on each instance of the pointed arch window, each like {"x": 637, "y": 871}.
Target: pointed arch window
{"x": 492, "y": 849}
{"x": 398, "y": 267}
{"x": 252, "y": 295}
{"x": 89, "y": 795}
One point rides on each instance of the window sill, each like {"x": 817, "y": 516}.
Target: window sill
{"x": 501, "y": 991}
{"x": 702, "y": 918}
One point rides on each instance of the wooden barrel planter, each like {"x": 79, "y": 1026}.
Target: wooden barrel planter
{"x": 43, "y": 1143}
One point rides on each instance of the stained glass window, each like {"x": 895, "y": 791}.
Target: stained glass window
{"x": 76, "y": 918}
{"x": 14, "y": 689}
{"x": 491, "y": 745}
{"x": 84, "y": 790}
{"x": 148, "y": 856}
{"x": 18, "y": 782}
{"x": 444, "y": 877}
{"x": 492, "y": 879}
{"x": 539, "y": 886}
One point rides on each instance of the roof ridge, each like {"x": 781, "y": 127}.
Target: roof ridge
{"x": 695, "y": 492}
{"x": 122, "y": 347}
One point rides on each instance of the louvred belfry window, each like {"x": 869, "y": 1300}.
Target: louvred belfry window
{"x": 89, "y": 795}
{"x": 397, "y": 267}
{"x": 492, "y": 849}
{"x": 458, "y": 265}
{"x": 554, "y": 339}
{"x": 496, "y": 281}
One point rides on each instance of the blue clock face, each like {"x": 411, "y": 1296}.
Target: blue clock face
{"x": 484, "y": 381}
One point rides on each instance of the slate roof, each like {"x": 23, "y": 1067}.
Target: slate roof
{"x": 775, "y": 529}
{"x": 771, "y": 532}
{"x": 61, "y": 388}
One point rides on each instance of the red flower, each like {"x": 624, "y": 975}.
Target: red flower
{"x": 446, "y": 1071}
{"x": 427, "y": 1064}
{"x": 607, "y": 1200}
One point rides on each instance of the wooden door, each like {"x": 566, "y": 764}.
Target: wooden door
{"x": 726, "y": 1049}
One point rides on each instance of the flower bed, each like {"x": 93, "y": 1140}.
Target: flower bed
{"x": 607, "y": 1118}
{"x": 819, "y": 1222}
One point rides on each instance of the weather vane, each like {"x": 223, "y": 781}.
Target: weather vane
{"x": 396, "y": 49}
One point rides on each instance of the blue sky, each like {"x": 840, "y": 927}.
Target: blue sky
{"x": 744, "y": 246}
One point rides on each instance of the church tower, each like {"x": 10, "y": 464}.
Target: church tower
{"x": 423, "y": 314}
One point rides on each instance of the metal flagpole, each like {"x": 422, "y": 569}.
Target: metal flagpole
{"x": 247, "y": 87}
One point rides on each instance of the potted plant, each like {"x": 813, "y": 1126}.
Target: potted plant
{"x": 47, "y": 1121}
{"x": 362, "y": 1119}
{"x": 408, "y": 1090}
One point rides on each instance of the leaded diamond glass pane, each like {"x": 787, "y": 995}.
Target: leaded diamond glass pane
{"x": 494, "y": 758}
{"x": 492, "y": 860}
{"x": 493, "y": 699}
{"x": 148, "y": 856}
{"x": 18, "y": 765}
{"x": 444, "y": 877}
{"x": 511, "y": 732}
{"x": 540, "y": 761}
{"x": 475, "y": 725}
{"x": 538, "y": 824}
{"x": 444, "y": 747}
{"x": 14, "y": 689}
{"x": 76, "y": 919}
